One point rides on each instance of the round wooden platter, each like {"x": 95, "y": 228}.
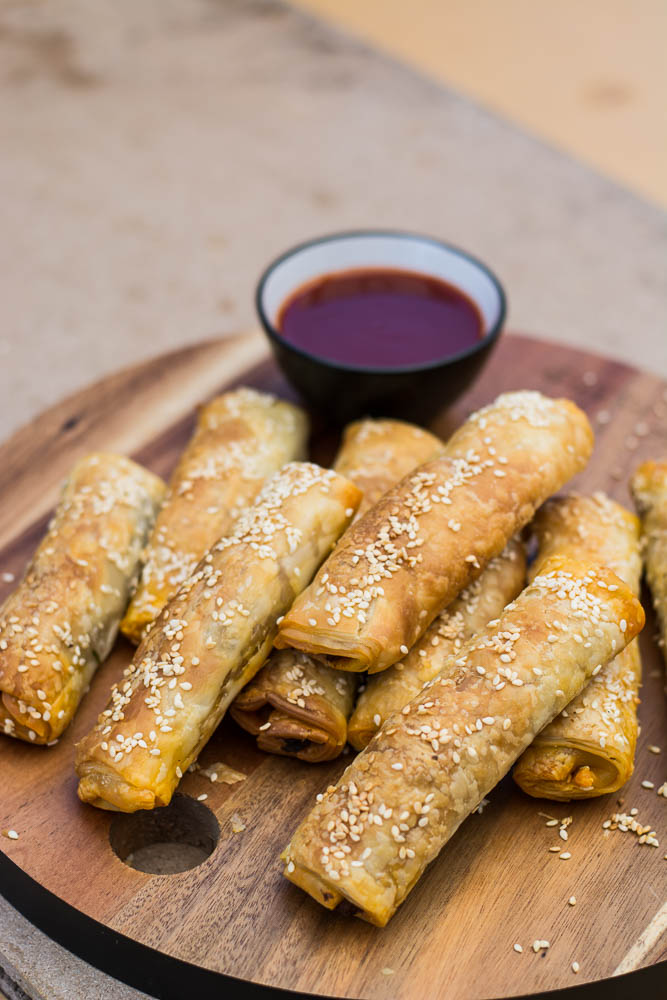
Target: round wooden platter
{"x": 495, "y": 884}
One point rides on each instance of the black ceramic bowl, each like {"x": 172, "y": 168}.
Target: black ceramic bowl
{"x": 345, "y": 391}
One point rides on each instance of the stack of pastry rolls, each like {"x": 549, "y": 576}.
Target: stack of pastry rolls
{"x": 589, "y": 748}
{"x": 297, "y": 705}
{"x": 211, "y": 639}
{"x": 370, "y": 836}
{"x": 430, "y": 536}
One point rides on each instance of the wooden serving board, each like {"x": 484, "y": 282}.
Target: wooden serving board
{"x": 493, "y": 885}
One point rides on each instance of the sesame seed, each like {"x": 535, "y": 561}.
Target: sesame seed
{"x": 12, "y": 834}
{"x": 575, "y": 967}
{"x": 654, "y": 749}
{"x": 518, "y": 948}
{"x": 572, "y": 900}
{"x": 202, "y": 797}
{"x": 397, "y": 766}
{"x": 647, "y": 784}
{"x": 565, "y": 856}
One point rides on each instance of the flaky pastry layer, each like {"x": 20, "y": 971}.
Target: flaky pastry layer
{"x": 240, "y": 440}
{"x": 481, "y": 601}
{"x": 589, "y": 749}
{"x": 61, "y": 621}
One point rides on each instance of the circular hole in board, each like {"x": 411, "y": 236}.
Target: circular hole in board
{"x": 167, "y": 840}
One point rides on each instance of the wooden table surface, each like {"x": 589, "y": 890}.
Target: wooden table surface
{"x": 590, "y": 78}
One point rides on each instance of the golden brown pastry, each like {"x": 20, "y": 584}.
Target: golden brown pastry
{"x": 589, "y": 748}
{"x": 426, "y": 539}
{"x": 61, "y": 621}
{"x": 377, "y": 454}
{"x": 240, "y": 440}
{"x": 649, "y": 490}
{"x": 209, "y": 641}
{"x": 369, "y": 837}
{"x": 296, "y": 705}
{"x": 481, "y": 601}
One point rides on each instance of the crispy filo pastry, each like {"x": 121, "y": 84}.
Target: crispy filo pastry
{"x": 61, "y": 621}
{"x": 377, "y": 454}
{"x": 298, "y": 706}
{"x": 369, "y": 837}
{"x": 240, "y": 440}
{"x": 649, "y": 491}
{"x": 427, "y": 538}
{"x": 481, "y": 601}
{"x": 209, "y": 641}
{"x": 589, "y": 748}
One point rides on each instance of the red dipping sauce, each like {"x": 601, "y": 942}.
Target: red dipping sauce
{"x": 380, "y": 318}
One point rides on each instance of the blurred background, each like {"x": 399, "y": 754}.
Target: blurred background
{"x": 155, "y": 154}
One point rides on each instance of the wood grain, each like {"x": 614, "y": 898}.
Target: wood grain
{"x": 493, "y": 885}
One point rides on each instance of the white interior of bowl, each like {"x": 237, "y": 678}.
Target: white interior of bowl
{"x": 408, "y": 253}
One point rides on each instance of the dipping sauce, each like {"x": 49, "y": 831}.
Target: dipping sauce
{"x": 380, "y": 318}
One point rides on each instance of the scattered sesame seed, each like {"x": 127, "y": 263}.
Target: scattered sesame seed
{"x": 572, "y": 900}
{"x": 202, "y": 797}
{"x": 12, "y": 834}
{"x": 575, "y": 967}
{"x": 565, "y": 856}
{"x": 654, "y": 749}
{"x": 518, "y": 948}
{"x": 647, "y": 784}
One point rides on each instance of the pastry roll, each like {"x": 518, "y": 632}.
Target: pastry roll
{"x": 240, "y": 440}
{"x": 210, "y": 639}
{"x": 369, "y": 837}
{"x": 377, "y": 454}
{"x": 481, "y": 601}
{"x": 427, "y": 538}
{"x": 649, "y": 489}
{"x": 589, "y": 748}
{"x": 61, "y": 621}
{"x": 296, "y": 705}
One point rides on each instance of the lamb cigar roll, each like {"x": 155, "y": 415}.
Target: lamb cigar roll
{"x": 427, "y": 538}
{"x": 212, "y": 637}
{"x": 369, "y": 837}
{"x": 649, "y": 491}
{"x": 297, "y": 706}
{"x": 240, "y": 440}
{"x": 481, "y": 601}
{"x": 589, "y": 749}
{"x": 61, "y": 621}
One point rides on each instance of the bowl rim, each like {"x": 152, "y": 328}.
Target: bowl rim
{"x": 275, "y": 335}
